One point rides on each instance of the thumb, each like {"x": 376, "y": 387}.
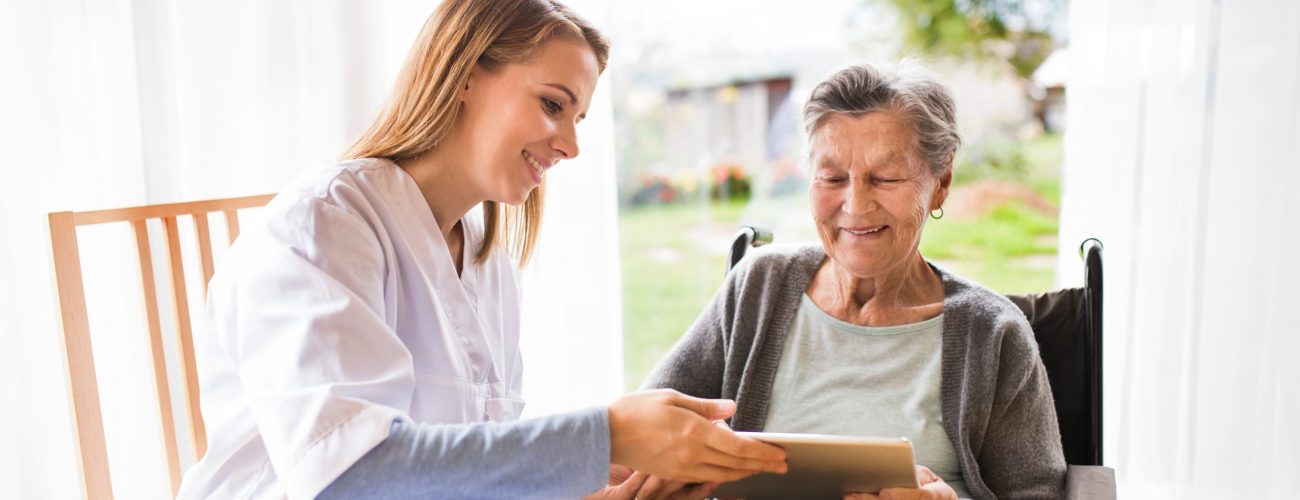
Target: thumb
{"x": 618, "y": 474}
{"x": 711, "y": 409}
{"x": 632, "y": 486}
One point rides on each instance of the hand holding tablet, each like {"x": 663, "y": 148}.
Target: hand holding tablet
{"x": 822, "y": 466}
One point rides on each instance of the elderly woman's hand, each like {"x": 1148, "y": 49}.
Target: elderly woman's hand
{"x": 932, "y": 487}
{"x": 626, "y": 484}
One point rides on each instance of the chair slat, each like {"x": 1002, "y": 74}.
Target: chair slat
{"x": 169, "y": 210}
{"x": 91, "y": 449}
{"x": 184, "y": 336}
{"x": 232, "y": 225}
{"x": 205, "y": 248}
{"x": 157, "y": 353}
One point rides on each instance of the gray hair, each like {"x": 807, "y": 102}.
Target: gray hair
{"x": 908, "y": 89}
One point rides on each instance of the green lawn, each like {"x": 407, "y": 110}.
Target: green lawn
{"x": 672, "y": 264}
{"x": 1012, "y": 249}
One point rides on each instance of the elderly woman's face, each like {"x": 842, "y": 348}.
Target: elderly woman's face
{"x": 871, "y": 191}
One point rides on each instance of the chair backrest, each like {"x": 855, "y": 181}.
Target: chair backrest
{"x": 1067, "y": 326}
{"x": 89, "y": 429}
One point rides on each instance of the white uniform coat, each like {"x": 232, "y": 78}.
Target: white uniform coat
{"x": 342, "y": 313}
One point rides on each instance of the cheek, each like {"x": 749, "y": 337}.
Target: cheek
{"x": 909, "y": 205}
{"x": 825, "y": 203}
{"x": 529, "y": 122}
{"x": 917, "y": 212}
{"x": 509, "y": 117}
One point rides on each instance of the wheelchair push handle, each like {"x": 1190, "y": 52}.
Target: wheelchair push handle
{"x": 747, "y": 236}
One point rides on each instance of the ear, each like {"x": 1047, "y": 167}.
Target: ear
{"x": 475, "y": 76}
{"x": 941, "y": 190}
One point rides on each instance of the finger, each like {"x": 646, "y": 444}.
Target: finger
{"x": 721, "y": 424}
{"x": 900, "y": 494}
{"x": 718, "y": 458}
{"x": 618, "y": 474}
{"x": 742, "y": 447}
{"x": 625, "y": 491}
{"x": 694, "y": 491}
{"x": 669, "y": 488}
{"x": 650, "y": 488}
{"x": 705, "y": 472}
{"x": 632, "y": 485}
{"x": 925, "y": 476}
{"x": 712, "y": 409}
{"x": 939, "y": 490}
{"x": 861, "y": 496}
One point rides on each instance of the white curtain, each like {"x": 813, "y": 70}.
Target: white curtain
{"x": 1181, "y": 155}
{"x": 112, "y": 103}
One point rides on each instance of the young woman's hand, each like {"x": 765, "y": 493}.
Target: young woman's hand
{"x": 671, "y": 435}
{"x": 932, "y": 487}
{"x": 625, "y": 484}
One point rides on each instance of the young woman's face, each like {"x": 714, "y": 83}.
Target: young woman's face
{"x": 519, "y": 120}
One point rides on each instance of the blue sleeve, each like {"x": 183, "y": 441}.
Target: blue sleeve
{"x": 561, "y": 456}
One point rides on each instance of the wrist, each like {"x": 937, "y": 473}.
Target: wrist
{"x": 614, "y": 417}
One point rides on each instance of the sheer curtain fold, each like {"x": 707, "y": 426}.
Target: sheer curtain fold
{"x": 1181, "y": 155}
{"x": 123, "y": 102}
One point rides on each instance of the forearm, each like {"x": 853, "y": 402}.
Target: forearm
{"x": 553, "y": 457}
{"x": 1023, "y": 457}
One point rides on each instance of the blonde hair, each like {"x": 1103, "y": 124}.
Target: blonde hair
{"x": 424, "y": 103}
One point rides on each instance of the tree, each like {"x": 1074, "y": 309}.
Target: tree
{"x": 1016, "y": 30}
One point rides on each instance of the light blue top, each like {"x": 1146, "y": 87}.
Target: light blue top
{"x": 844, "y": 379}
{"x": 561, "y": 456}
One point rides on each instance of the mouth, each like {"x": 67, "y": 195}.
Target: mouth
{"x": 864, "y": 232}
{"x": 536, "y": 167}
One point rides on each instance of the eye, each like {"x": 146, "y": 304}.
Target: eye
{"x": 880, "y": 180}
{"x": 833, "y": 179}
{"x": 552, "y": 108}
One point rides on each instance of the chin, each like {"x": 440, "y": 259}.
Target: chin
{"x": 516, "y": 199}
{"x": 857, "y": 264}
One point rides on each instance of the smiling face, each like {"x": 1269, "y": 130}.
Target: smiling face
{"x": 519, "y": 119}
{"x": 871, "y": 192}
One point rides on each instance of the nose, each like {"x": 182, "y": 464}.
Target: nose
{"x": 565, "y": 142}
{"x": 860, "y": 199}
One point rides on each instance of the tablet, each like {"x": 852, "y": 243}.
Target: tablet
{"x": 821, "y": 466}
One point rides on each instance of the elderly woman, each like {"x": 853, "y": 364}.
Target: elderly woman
{"x": 861, "y": 335}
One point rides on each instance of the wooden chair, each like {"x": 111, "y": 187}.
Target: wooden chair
{"x": 89, "y": 438}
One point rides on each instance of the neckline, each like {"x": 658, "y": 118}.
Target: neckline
{"x": 467, "y": 277}
{"x": 824, "y": 317}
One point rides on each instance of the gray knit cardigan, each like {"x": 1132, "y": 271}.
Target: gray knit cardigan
{"x": 996, "y": 402}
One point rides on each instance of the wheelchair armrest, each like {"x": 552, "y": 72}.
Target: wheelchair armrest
{"x": 1090, "y": 482}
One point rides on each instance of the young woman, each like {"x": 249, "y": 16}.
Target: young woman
{"x": 364, "y": 342}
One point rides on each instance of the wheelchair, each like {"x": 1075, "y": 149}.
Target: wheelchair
{"x": 1067, "y": 325}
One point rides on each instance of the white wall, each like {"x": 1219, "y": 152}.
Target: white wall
{"x": 1180, "y": 154}
{"x": 117, "y": 103}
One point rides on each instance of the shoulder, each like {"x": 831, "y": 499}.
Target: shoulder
{"x": 348, "y": 185}
{"x": 330, "y": 212}
{"x": 343, "y": 196}
{"x": 779, "y": 261}
{"x": 983, "y": 314}
{"x": 770, "y": 279}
